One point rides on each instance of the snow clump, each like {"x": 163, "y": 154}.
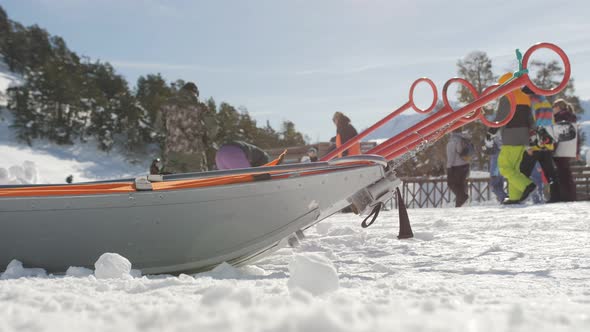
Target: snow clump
{"x": 112, "y": 266}
{"x": 313, "y": 273}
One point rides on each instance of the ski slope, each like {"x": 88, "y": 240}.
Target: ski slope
{"x": 46, "y": 162}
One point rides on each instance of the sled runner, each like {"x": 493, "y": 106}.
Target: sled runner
{"x": 193, "y": 222}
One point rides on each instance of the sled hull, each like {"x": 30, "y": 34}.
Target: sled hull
{"x": 173, "y": 231}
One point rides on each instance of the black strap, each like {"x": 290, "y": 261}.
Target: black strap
{"x": 261, "y": 177}
{"x": 374, "y": 214}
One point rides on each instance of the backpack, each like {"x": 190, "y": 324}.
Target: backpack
{"x": 467, "y": 149}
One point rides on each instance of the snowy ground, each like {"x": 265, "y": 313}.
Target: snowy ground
{"x": 46, "y": 162}
{"x": 471, "y": 269}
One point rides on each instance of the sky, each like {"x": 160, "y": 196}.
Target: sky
{"x": 303, "y": 60}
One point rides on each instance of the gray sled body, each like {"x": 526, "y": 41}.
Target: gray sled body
{"x": 174, "y": 231}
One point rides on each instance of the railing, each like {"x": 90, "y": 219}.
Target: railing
{"x": 433, "y": 193}
{"x": 582, "y": 179}
{"x": 429, "y": 193}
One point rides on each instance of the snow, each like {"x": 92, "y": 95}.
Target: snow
{"x": 76, "y": 271}
{"x": 479, "y": 268}
{"x": 313, "y": 273}
{"x": 16, "y": 270}
{"x": 20, "y": 163}
{"x": 7, "y": 80}
{"x": 112, "y": 266}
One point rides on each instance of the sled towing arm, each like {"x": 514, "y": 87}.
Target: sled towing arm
{"x": 406, "y": 144}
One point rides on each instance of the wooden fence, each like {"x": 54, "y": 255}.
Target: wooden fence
{"x": 582, "y": 179}
{"x": 429, "y": 193}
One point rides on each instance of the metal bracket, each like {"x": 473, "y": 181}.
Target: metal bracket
{"x": 143, "y": 184}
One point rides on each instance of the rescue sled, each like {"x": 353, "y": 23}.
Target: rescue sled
{"x": 193, "y": 222}
{"x": 181, "y": 223}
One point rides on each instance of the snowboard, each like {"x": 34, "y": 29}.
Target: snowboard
{"x": 564, "y": 134}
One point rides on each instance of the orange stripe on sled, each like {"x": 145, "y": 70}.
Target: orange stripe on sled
{"x": 80, "y": 189}
{"x": 128, "y": 187}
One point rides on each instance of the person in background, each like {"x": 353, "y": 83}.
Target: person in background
{"x": 542, "y": 147}
{"x": 70, "y": 179}
{"x": 457, "y": 167}
{"x": 563, "y": 111}
{"x": 492, "y": 148}
{"x": 515, "y": 141}
{"x": 156, "y": 166}
{"x": 537, "y": 177}
{"x": 190, "y": 128}
{"x": 239, "y": 154}
{"x": 344, "y": 132}
{"x": 312, "y": 154}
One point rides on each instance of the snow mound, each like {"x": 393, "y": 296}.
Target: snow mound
{"x": 227, "y": 271}
{"x": 224, "y": 271}
{"x": 323, "y": 228}
{"x": 19, "y": 174}
{"x": 112, "y": 266}
{"x": 80, "y": 272}
{"x": 15, "y": 270}
{"x": 313, "y": 273}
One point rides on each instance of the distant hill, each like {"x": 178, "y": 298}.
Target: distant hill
{"x": 396, "y": 125}
{"x": 402, "y": 122}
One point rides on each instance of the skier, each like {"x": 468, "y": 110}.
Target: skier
{"x": 457, "y": 167}
{"x": 492, "y": 148}
{"x": 157, "y": 167}
{"x": 515, "y": 141}
{"x": 563, "y": 111}
{"x": 542, "y": 146}
{"x": 311, "y": 156}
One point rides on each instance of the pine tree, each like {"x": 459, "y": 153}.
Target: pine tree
{"x": 267, "y": 137}
{"x": 66, "y": 97}
{"x": 5, "y": 30}
{"x": 228, "y": 118}
{"x": 16, "y": 48}
{"x": 549, "y": 75}
{"x": 476, "y": 68}
{"x": 151, "y": 93}
{"x": 248, "y": 128}
{"x": 290, "y": 136}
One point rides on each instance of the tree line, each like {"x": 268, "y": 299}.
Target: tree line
{"x": 67, "y": 98}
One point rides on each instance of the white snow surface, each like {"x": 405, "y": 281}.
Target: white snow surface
{"x": 478, "y": 268}
{"x": 46, "y": 162}
{"x": 7, "y": 80}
